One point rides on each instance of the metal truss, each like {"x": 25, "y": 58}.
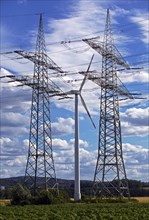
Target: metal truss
{"x": 40, "y": 169}
{"x": 110, "y": 176}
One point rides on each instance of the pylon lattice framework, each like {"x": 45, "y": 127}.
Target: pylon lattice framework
{"x": 110, "y": 175}
{"x": 40, "y": 161}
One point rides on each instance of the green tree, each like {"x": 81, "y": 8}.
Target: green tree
{"x": 20, "y": 195}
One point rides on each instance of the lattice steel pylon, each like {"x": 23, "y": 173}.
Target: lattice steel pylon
{"x": 40, "y": 162}
{"x": 110, "y": 176}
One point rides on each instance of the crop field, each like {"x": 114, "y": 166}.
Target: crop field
{"x": 142, "y": 199}
{"x": 4, "y": 202}
{"x": 113, "y": 211}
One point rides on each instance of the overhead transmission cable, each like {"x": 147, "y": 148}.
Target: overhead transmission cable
{"x": 124, "y": 25}
{"x": 21, "y": 15}
{"x": 128, "y": 56}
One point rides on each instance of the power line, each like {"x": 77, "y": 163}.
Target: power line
{"x": 93, "y": 33}
{"x": 102, "y": 31}
{"x": 21, "y": 15}
{"x": 135, "y": 55}
{"x": 12, "y": 52}
{"x": 28, "y": 95}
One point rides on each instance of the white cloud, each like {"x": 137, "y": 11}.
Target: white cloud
{"x": 137, "y": 149}
{"x": 135, "y": 121}
{"x": 13, "y": 146}
{"x": 12, "y": 119}
{"x": 136, "y": 161}
{"x": 142, "y": 21}
{"x": 135, "y": 156}
{"x": 60, "y": 144}
{"x": 22, "y": 1}
{"x": 5, "y": 142}
{"x": 82, "y": 143}
{"x": 64, "y": 159}
{"x": 120, "y": 11}
{"x": 13, "y": 157}
{"x": 84, "y": 15}
{"x": 63, "y": 126}
{"x": 128, "y": 129}
{"x": 140, "y": 76}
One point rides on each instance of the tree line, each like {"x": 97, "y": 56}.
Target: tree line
{"x": 20, "y": 194}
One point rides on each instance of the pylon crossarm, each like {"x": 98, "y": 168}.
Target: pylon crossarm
{"x": 28, "y": 81}
{"x": 99, "y": 48}
{"x": 59, "y": 91}
{"x": 55, "y": 66}
{"x": 119, "y": 89}
{"x": 37, "y": 58}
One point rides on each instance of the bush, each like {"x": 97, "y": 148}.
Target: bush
{"x": 50, "y": 197}
{"x": 62, "y": 198}
{"x": 20, "y": 195}
{"x": 44, "y": 197}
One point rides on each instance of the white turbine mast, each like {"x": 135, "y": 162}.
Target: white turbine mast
{"x": 77, "y": 193}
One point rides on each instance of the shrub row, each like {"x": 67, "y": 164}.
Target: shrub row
{"x": 22, "y": 196}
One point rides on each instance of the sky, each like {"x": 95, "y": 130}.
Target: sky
{"x": 70, "y": 20}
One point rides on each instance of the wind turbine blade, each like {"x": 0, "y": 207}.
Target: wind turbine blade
{"x": 83, "y": 103}
{"x": 86, "y": 75}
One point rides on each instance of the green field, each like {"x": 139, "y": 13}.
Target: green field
{"x": 116, "y": 211}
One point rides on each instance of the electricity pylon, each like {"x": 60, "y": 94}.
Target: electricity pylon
{"x": 110, "y": 176}
{"x": 40, "y": 162}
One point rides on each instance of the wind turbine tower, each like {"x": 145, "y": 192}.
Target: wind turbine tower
{"x": 77, "y": 93}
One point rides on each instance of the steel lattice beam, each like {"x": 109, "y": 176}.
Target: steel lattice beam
{"x": 110, "y": 177}
{"x": 40, "y": 162}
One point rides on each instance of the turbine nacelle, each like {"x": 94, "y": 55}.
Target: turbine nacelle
{"x": 72, "y": 92}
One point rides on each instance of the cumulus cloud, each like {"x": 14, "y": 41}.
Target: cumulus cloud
{"x": 141, "y": 76}
{"x": 11, "y": 119}
{"x": 63, "y": 126}
{"x": 137, "y": 116}
{"x": 60, "y": 144}
{"x": 64, "y": 158}
{"x": 13, "y": 156}
{"x": 135, "y": 121}
{"x": 136, "y": 159}
{"x": 13, "y": 166}
{"x": 137, "y": 149}
{"x": 82, "y": 143}
{"x": 13, "y": 146}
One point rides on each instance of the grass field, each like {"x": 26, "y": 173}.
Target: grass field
{"x": 112, "y": 211}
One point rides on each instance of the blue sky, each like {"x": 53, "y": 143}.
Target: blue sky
{"x": 69, "y": 20}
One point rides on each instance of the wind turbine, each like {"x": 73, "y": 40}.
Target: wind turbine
{"x": 77, "y": 93}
